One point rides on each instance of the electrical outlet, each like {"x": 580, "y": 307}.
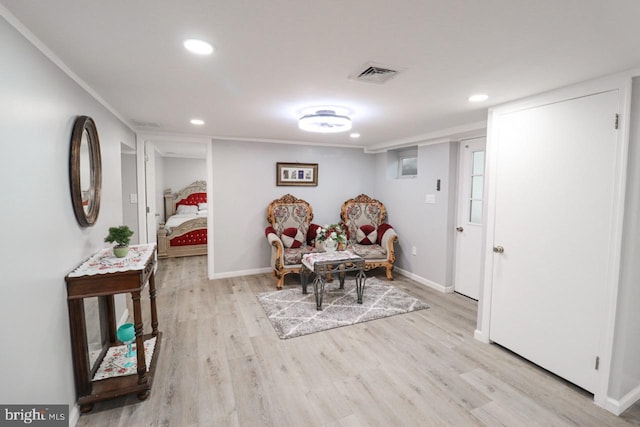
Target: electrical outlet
{"x": 414, "y": 250}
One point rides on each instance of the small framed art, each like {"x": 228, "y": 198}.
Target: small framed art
{"x": 301, "y": 174}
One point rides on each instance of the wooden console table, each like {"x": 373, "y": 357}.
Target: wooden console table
{"x": 104, "y": 276}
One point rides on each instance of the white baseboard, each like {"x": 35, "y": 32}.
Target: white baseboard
{"x": 242, "y": 273}
{"x": 74, "y": 415}
{"x": 419, "y": 279}
{"x": 426, "y": 282}
{"x": 617, "y": 407}
{"x": 480, "y": 336}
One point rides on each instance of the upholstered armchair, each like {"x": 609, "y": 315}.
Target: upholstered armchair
{"x": 367, "y": 233}
{"x": 290, "y": 234}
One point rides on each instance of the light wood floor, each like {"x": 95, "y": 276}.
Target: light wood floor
{"x": 221, "y": 364}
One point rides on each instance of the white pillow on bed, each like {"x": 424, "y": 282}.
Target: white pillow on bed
{"x": 202, "y": 206}
{"x": 203, "y": 212}
{"x": 187, "y": 209}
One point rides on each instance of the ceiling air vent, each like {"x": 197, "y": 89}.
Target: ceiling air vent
{"x": 375, "y": 73}
{"x": 140, "y": 123}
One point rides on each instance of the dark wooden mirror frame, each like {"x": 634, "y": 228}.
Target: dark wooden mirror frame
{"x": 82, "y": 124}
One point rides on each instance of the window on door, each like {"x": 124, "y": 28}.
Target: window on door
{"x": 477, "y": 187}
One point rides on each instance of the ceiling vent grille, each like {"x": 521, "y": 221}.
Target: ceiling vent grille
{"x": 375, "y": 73}
{"x": 140, "y": 123}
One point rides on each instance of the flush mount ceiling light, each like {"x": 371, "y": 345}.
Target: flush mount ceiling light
{"x": 324, "y": 121}
{"x": 355, "y": 135}
{"x": 197, "y": 122}
{"x": 199, "y": 47}
{"x": 479, "y": 97}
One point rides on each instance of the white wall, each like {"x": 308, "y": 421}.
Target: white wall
{"x": 42, "y": 241}
{"x": 244, "y": 183}
{"x": 625, "y": 372}
{"x": 158, "y": 167}
{"x": 175, "y": 173}
{"x": 425, "y": 226}
{"x": 180, "y": 172}
{"x": 129, "y": 186}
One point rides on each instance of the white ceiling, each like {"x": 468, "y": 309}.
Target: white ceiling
{"x": 276, "y": 57}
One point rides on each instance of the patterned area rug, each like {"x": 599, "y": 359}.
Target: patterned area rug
{"x": 293, "y": 314}
{"x": 115, "y": 361}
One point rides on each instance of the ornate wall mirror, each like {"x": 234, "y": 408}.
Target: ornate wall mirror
{"x": 85, "y": 169}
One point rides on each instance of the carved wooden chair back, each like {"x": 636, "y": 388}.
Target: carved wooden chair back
{"x": 362, "y": 210}
{"x": 287, "y": 212}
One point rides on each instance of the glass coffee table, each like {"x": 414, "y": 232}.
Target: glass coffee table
{"x": 327, "y": 263}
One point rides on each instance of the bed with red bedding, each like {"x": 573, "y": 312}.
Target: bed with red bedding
{"x": 184, "y": 233}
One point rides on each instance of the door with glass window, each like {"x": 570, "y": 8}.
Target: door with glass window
{"x": 470, "y": 223}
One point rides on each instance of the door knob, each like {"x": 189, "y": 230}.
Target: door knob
{"x": 460, "y": 229}
{"x": 498, "y": 249}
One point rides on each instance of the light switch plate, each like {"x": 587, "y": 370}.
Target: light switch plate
{"x": 430, "y": 198}
{"x": 133, "y": 198}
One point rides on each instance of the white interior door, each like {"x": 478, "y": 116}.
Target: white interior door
{"x": 554, "y": 199}
{"x": 470, "y": 223}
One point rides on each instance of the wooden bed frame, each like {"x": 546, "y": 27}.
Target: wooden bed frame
{"x": 190, "y": 195}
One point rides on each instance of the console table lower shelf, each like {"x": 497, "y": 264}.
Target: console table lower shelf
{"x": 121, "y": 385}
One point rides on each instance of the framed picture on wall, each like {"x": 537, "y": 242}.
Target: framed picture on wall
{"x": 300, "y": 174}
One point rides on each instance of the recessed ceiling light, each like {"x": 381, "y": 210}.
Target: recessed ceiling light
{"x": 355, "y": 135}
{"x": 478, "y": 97}
{"x": 197, "y": 122}
{"x": 199, "y": 47}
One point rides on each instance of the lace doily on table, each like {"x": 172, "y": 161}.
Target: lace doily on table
{"x": 309, "y": 260}
{"x": 103, "y": 261}
{"x": 113, "y": 364}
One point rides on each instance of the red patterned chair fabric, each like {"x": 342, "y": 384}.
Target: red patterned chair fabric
{"x": 285, "y": 213}
{"x": 362, "y": 213}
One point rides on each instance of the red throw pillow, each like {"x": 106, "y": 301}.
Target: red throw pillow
{"x": 366, "y": 235}
{"x": 312, "y": 233}
{"x": 292, "y": 238}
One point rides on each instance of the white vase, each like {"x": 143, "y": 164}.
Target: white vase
{"x": 330, "y": 245}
